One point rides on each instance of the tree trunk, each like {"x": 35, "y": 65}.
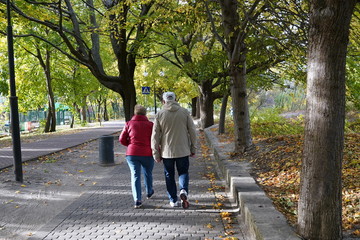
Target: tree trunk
{"x": 83, "y": 113}
{"x": 206, "y": 104}
{"x": 241, "y": 115}
{"x": 198, "y": 108}
{"x": 129, "y": 101}
{"x": 72, "y": 122}
{"x": 320, "y": 193}
{"x": 236, "y": 51}
{"x": 50, "y": 125}
{"x": 106, "y": 113}
{"x": 193, "y": 106}
{"x": 223, "y": 113}
{"x": 99, "y": 110}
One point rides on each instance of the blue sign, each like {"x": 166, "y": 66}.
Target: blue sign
{"x": 145, "y": 90}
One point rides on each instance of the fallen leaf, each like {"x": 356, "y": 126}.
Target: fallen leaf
{"x": 209, "y": 225}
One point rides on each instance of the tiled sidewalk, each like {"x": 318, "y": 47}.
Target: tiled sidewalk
{"x": 107, "y": 211}
{"x": 37, "y": 149}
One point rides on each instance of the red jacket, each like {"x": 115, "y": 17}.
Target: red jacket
{"x": 136, "y": 135}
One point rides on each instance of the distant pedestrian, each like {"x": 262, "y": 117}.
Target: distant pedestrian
{"x": 173, "y": 140}
{"x": 136, "y": 135}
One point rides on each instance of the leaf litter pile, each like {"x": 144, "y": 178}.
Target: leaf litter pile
{"x": 228, "y": 219}
{"x": 276, "y": 165}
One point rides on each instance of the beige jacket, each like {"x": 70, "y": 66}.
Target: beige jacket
{"x": 174, "y": 133}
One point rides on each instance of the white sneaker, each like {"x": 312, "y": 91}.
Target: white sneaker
{"x": 174, "y": 204}
{"x": 184, "y": 199}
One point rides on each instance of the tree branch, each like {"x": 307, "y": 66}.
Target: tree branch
{"x": 213, "y": 27}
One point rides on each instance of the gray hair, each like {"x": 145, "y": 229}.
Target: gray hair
{"x": 139, "y": 110}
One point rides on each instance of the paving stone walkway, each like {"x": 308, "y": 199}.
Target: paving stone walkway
{"x": 37, "y": 149}
{"x": 106, "y": 211}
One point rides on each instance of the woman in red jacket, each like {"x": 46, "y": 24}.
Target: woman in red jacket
{"x": 136, "y": 135}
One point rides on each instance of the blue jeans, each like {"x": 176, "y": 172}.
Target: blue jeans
{"x": 136, "y": 163}
{"x": 182, "y": 166}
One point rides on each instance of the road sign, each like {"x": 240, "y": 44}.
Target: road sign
{"x": 145, "y": 90}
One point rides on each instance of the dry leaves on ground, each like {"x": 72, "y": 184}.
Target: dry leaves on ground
{"x": 276, "y": 167}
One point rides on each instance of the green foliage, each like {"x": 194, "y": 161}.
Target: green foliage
{"x": 269, "y": 123}
{"x": 285, "y": 99}
{"x": 353, "y": 82}
{"x": 352, "y": 123}
{"x": 4, "y": 66}
{"x": 42, "y": 124}
{"x": 353, "y": 64}
{"x": 4, "y": 85}
{"x": 165, "y": 77}
{"x": 291, "y": 100}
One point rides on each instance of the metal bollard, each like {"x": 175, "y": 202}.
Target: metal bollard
{"x": 106, "y": 151}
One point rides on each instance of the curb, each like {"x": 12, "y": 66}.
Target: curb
{"x": 261, "y": 220}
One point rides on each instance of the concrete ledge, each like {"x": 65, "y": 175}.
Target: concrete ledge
{"x": 262, "y": 220}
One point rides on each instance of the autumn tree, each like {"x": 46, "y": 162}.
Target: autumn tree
{"x": 183, "y": 38}
{"x": 74, "y": 84}
{"x": 44, "y": 57}
{"x": 77, "y": 23}
{"x": 251, "y": 28}
{"x": 319, "y": 209}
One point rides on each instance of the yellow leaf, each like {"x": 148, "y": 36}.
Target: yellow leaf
{"x": 81, "y": 171}
{"x": 23, "y": 185}
{"x": 209, "y": 225}
{"x": 229, "y": 233}
{"x": 225, "y": 214}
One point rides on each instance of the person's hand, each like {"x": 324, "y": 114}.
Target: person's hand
{"x": 158, "y": 160}
{"x": 192, "y": 155}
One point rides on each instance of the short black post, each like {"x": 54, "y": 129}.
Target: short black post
{"x": 106, "y": 151}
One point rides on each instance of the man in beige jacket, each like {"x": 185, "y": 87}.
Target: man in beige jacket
{"x": 173, "y": 140}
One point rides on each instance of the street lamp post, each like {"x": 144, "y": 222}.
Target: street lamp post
{"x": 14, "y": 113}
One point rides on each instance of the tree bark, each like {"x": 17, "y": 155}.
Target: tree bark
{"x": 223, "y": 113}
{"x": 206, "y": 104}
{"x": 106, "y": 113}
{"x": 198, "y": 108}
{"x": 50, "y": 125}
{"x": 83, "y": 111}
{"x": 241, "y": 115}
{"x": 320, "y": 193}
{"x": 193, "y": 106}
{"x": 236, "y": 51}
{"x": 99, "y": 110}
